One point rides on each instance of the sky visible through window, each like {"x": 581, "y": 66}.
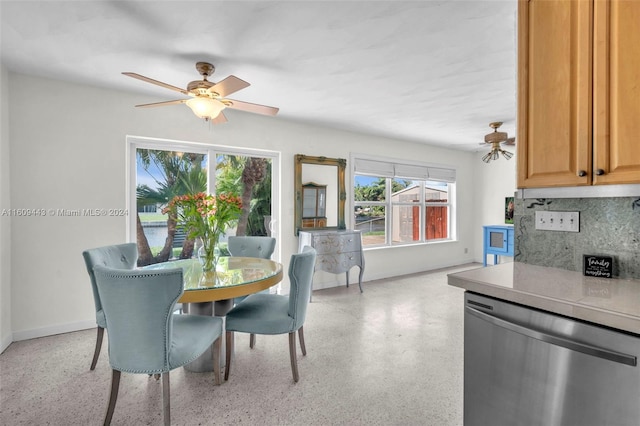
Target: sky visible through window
{"x": 146, "y": 177}
{"x": 153, "y": 175}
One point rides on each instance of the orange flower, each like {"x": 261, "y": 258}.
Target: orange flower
{"x": 204, "y": 215}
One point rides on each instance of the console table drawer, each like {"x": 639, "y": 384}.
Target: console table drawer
{"x": 336, "y": 244}
{"x": 338, "y": 263}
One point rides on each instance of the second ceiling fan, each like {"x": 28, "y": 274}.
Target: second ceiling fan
{"x": 207, "y": 99}
{"x": 496, "y": 138}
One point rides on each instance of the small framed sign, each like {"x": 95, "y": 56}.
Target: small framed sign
{"x": 598, "y": 266}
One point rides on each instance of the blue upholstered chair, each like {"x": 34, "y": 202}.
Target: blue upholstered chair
{"x": 145, "y": 336}
{"x": 262, "y": 247}
{"x": 253, "y": 246}
{"x": 276, "y": 314}
{"x": 121, "y": 256}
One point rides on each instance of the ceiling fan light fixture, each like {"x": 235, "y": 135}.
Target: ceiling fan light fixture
{"x": 208, "y": 99}
{"x": 506, "y": 154}
{"x": 206, "y": 108}
{"x": 494, "y": 154}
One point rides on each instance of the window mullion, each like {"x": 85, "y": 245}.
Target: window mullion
{"x": 388, "y": 214}
{"x": 423, "y": 212}
{"x": 211, "y": 171}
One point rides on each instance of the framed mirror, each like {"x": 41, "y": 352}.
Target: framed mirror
{"x": 320, "y": 193}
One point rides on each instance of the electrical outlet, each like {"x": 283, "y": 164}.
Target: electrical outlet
{"x": 558, "y": 221}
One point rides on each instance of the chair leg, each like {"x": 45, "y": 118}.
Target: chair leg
{"x": 113, "y": 396}
{"x": 166, "y": 399}
{"x": 252, "y": 340}
{"x": 217, "y": 347}
{"x": 96, "y": 352}
{"x": 229, "y": 346}
{"x": 301, "y": 337}
{"x": 292, "y": 354}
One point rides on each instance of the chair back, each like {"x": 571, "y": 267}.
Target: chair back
{"x": 138, "y": 307}
{"x": 262, "y": 247}
{"x": 120, "y": 256}
{"x": 301, "y": 270}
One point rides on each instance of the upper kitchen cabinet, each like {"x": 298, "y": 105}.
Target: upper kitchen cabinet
{"x": 578, "y": 93}
{"x": 616, "y": 96}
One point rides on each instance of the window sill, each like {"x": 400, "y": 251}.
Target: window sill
{"x": 422, "y": 244}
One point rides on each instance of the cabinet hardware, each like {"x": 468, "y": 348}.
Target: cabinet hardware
{"x": 582, "y": 173}
{"x": 599, "y": 172}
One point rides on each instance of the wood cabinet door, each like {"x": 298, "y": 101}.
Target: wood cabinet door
{"x": 616, "y": 92}
{"x": 554, "y": 93}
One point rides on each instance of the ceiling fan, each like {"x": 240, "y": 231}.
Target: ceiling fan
{"x": 208, "y": 99}
{"x": 496, "y": 138}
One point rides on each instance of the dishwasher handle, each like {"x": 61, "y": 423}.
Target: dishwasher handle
{"x": 556, "y": 340}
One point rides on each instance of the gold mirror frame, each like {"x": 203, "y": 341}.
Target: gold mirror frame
{"x": 341, "y": 165}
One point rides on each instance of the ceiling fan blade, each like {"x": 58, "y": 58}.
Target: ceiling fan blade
{"x": 155, "y": 104}
{"x": 247, "y": 106}
{"x": 510, "y": 141}
{"x": 156, "y": 82}
{"x": 228, "y": 86}
{"x": 221, "y": 118}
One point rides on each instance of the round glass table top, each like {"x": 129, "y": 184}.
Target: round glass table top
{"x": 234, "y": 276}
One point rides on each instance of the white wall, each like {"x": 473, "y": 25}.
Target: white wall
{"x": 494, "y": 181}
{"x": 71, "y": 155}
{"x": 5, "y": 220}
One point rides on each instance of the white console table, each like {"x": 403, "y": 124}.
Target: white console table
{"x": 338, "y": 250}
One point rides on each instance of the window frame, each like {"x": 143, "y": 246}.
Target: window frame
{"x": 212, "y": 151}
{"x": 389, "y": 204}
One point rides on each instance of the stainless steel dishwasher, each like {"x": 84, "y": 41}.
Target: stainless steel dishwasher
{"x": 528, "y": 367}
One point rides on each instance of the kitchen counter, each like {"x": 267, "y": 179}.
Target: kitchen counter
{"x": 609, "y": 302}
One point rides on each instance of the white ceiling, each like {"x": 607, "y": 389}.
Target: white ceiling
{"x": 434, "y": 72}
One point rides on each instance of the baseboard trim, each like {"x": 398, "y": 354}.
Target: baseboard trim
{"x": 339, "y": 279}
{"x": 53, "y": 330}
{"x": 4, "y": 344}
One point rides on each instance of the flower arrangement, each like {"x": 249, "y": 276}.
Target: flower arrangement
{"x": 206, "y": 217}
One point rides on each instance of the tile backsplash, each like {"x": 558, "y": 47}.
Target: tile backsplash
{"x": 608, "y": 227}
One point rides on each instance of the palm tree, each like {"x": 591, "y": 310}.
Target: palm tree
{"x": 191, "y": 183}
{"x": 249, "y": 178}
{"x": 254, "y": 172}
{"x": 180, "y": 173}
{"x": 148, "y": 196}
{"x": 260, "y": 205}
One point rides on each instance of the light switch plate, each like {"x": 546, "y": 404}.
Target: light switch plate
{"x": 558, "y": 221}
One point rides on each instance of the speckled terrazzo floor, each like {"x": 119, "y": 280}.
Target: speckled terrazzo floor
{"x": 390, "y": 356}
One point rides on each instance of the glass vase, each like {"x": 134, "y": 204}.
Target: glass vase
{"x": 208, "y": 255}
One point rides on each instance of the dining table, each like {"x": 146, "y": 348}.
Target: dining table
{"x": 234, "y": 276}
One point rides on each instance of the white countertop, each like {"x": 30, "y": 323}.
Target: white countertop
{"x": 609, "y": 302}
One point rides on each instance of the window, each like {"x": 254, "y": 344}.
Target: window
{"x": 160, "y": 170}
{"x": 399, "y": 203}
